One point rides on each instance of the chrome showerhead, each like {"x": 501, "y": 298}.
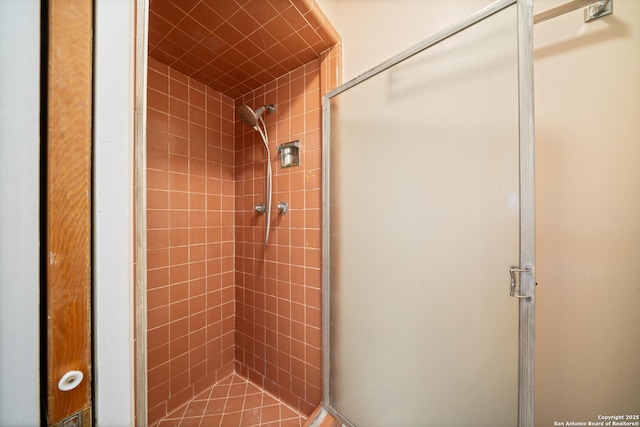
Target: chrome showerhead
{"x": 251, "y": 117}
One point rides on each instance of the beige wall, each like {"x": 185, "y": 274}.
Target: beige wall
{"x": 373, "y": 31}
{"x": 588, "y": 214}
{"x": 588, "y": 178}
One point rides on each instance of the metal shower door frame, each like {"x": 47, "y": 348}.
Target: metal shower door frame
{"x": 527, "y": 195}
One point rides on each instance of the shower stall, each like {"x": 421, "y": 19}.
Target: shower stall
{"x": 228, "y": 294}
{"x": 233, "y": 283}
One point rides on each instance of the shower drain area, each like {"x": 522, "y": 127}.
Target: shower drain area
{"x": 234, "y": 401}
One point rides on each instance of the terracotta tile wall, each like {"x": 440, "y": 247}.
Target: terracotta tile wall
{"x": 278, "y": 287}
{"x": 190, "y": 223}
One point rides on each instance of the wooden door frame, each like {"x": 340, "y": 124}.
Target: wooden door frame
{"x": 67, "y": 152}
{"x": 113, "y": 41}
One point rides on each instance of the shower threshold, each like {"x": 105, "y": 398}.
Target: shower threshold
{"x": 234, "y": 401}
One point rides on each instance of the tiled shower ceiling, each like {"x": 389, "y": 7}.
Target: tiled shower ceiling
{"x": 235, "y": 46}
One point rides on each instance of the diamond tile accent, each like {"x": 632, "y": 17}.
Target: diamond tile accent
{"x": 234, "y": 401}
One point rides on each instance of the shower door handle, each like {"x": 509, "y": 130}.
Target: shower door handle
{"x": 512, "y": 274}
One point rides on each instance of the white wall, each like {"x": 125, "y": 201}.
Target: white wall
{"x": 113, "y": 214}
{"x": 19, "y": 215}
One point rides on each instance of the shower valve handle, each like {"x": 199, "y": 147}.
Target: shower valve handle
{"x": 283, "y": 207}
{"x": 260, "y": 208}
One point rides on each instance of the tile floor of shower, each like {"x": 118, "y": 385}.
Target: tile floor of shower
{"x": 232, "y": 402}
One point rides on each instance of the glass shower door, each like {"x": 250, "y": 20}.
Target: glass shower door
{"x": 424, "y": 216}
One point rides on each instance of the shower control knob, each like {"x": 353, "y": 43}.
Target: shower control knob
{"x": 283, "y": 207}
{"x": 261, "y": 208}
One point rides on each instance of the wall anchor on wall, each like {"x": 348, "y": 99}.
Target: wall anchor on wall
{"x": 289, "y": 154}
{"x": 598, "y": 10}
